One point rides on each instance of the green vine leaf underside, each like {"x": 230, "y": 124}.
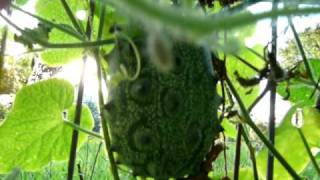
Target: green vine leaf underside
{"x": 53, "y": 10}
{"x": 34, "y": 132}
{"x": 290, "y": 145}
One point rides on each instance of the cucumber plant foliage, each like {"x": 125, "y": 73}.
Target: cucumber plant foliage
{"x": 34, "y": 133}
{"x": 164, "y": 97}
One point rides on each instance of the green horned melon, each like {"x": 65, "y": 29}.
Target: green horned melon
{"x": 162, "y": 124}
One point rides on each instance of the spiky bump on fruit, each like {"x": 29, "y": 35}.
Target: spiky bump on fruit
{"x": 162, "y": 123}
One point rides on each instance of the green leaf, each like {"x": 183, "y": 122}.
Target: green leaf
{"x": 21, "y": 2}
{"x": 311, "y": 127}
{"x": 42, "y": 32}
{"x": 53, "y": 10}
{"x": 233, "y": 65}
{"x": 290, "y": 145}
{"x": 229, "y": 129}
{"x": 301, "y": 87}
{"x": 34, "y": 133}
{"x": 246, "y": 173}
{"x": 56, "y": 57}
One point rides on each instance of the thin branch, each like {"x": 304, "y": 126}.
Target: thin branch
{"x": 238, "y": 154}
{"x": 246, "y": 63}
{"x": 257, "y": 100}
{"x": 225, "y": 155}
{"x": 75, "y": 134}
{"x": 51, "y": 24}
{"x": 79, "y": 128}
{"x": 102, "y": 17}
{"x": 256, "y": 53}
{"x": 302, "y": 52}
{"x": 80, "y": 172}
{"x": 95, "y": 161}
{"x": 104, "y": 125}
{"x": 252, "y": 154}
{"x": 34, "y": 39}
{"x": 270, "y": 166}
{"x": 273, "y": 89}
{"x": 71, "y": 16}
{"x": 250, "y": 122}
{"x": 305, "y": 143}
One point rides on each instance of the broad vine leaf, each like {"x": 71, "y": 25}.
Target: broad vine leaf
{"x": 58, "y": 57}
{"x": 53, "y": 10}
{"x": 300, "y": 87}
{"x": 290, "y": 145}
{"x": 234, "y": 65}
{"x": 34, "y": 132}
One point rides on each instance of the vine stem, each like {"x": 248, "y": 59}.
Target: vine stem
{"x": 250, "y": 122}
{"x": 238, "y": 153}
{"x": 72, "y": 17}
{"x": 95, "y": 161}
{"x": 272, "y": 129}
{"x": 34, "y": 39}
{"x": 104, "y": 124}
{"x": 79, "y": 128}
{"x": 252, "y": 154}
{"x": 246, "y": 63}
{"x": 273, "y": 89}
{"x": 51, "y": 24}
{"x": 80, "y": 172}
{"x": 75, "y": 134}
{"x": 302, "y": 52}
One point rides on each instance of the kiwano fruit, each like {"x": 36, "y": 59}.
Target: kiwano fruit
{"x": 162, "y": 124}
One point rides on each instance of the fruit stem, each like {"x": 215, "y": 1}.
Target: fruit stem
{"x": 72, "y": 17}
